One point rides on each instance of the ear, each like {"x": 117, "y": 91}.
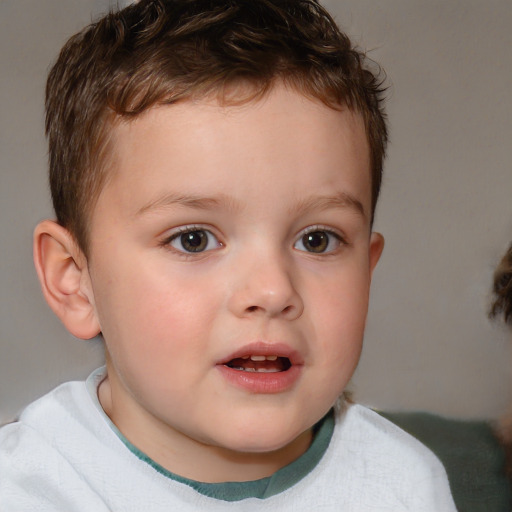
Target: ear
{"x": 62, "y": 270}
{"x": 375, "y": 250}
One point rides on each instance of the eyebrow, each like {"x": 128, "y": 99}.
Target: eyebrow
{"x": 188, "y": 201}
{"x": 342, "y": 200}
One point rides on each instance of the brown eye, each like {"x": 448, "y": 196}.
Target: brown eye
{"x": 316, "y": 241}
{"x": 319, "y": 241}
{"x": 194, "y": 241}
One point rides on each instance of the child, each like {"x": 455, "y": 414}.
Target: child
{"x": 502, "y": 288}
{"x": 214, "y": 167}
{"x": 502, "y": 307}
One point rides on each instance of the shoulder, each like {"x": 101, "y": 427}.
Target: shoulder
{"x": 470, "y": 452}
{"x": 35, "y": 470}
{"x": 47, "y": 413}
{"x": 362, "y": 425}
{"x": 60, "y": 420}
{"x": 388, "y": 460}
{"x": 52, "y": 412}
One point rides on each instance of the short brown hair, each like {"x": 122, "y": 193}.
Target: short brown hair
{"x": 502, "y": 288}
{"x": 162, "y": 51}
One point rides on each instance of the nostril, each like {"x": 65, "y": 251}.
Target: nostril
{"x": 253, "y": 309}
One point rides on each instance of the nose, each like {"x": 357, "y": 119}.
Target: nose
{"x": 265, "y": 286}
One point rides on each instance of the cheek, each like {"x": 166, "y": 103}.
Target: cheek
{"x": 147, "y": 312}
{"x": 339, "y": 337}
{"x": 341, "y": 306}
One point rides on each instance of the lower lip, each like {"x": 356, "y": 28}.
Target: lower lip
{"x": 262, "y": 383}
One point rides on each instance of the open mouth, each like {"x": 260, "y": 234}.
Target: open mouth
{"x": 263, "y": 368}
{"x": 260, "y": 364}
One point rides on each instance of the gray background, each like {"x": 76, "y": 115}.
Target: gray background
{"x": 445, "y": 210}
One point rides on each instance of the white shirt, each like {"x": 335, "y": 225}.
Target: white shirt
{"x": 64, "y": 454}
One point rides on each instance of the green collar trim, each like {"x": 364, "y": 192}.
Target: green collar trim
{"x": 280, "y": 481}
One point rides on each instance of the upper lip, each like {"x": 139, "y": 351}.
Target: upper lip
{"x": 265, "y": 348}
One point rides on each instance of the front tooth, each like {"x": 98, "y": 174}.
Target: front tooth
{"x": 272, "y": 358}
{"x": 258, "y": 358}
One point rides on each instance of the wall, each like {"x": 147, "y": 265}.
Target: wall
{"x": 445, "y": 208}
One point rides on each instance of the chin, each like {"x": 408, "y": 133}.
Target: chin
{"x": 266, "y": 439}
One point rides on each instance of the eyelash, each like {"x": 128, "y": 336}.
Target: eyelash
{"x": 332, "y": 236}
{"x": 177, "y": 235}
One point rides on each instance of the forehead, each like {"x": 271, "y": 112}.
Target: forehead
{"x": 282, "y": 140}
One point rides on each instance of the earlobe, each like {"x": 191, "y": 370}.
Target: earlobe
{"x": 376, "y": 248}
{"x": 62, "y": 270}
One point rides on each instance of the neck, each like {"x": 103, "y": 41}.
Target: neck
{"x": 190, "y": 458}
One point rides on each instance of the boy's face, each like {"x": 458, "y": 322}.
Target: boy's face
{"x": 230, "y": 266}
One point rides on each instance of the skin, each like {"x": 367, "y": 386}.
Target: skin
{"x": 252, "y": 179}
